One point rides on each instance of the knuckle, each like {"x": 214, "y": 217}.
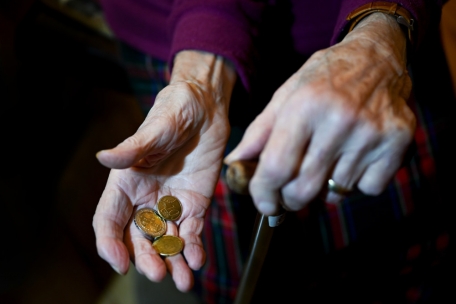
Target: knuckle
{"x": 368, "y": 137}
{"x": 274, "y": 168}
{"x": 343, "y": 118}
{"x": 407, "y": 130}
{"x": 281, "y": 92}
{"x": 319, "y": 154}
{"x": 267, "y": 179}
{"x": 371, "y": 187}
{"x": 318, "y": 54}
{"x": 297, "y": 194}
{"x": 400, "y": 135}
{"x": 309, "y": 189}
{"x": 133, "y": 140}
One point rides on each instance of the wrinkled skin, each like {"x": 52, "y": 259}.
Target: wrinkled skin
{"x": 343, "y": 115}
{"x": 176, "y": 151}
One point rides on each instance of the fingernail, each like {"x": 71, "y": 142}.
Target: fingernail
{"x": 266, "y": 208}
{"x": 116, "y": 269}
{"x": 227, "y": 158}
{"x": 232, "y": 156}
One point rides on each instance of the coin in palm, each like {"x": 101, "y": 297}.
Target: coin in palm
{"x": 169, "y": 207}
{"x": 168, "y": 245}
{"x": 150, "y": 223}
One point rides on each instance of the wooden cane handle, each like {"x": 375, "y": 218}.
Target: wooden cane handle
{"x": 238, "y": 175}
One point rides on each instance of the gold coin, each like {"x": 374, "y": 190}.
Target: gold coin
{"x": 150, "y": 223}
{"x": 169, "y": 207}
{"x": 168, "y": 245}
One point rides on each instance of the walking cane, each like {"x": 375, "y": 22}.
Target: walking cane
{"x": 238, "y": 177}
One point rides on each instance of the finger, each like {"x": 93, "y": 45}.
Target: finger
{"x": 177, "y": 265}
{"x": 190, "y": 231}
{"x": 146, "y": 259}
{"x": 358, "y": 152}
{"x": 347, "y": 172}
{"x": 258, "y": 132}
{"x": 130, "y": 151}
{"x": 109, "y": 221}
{"x": 325, "y": 148}
{"x": 311, "y": 178}
{"x": 253, "y": 141}
{"x": 181, "y": 274}
{"x": 149, "y": 263}
{"x": 288, "y": 138}
{"x": 378, "y": 174}
{"x": 386, "y": 160}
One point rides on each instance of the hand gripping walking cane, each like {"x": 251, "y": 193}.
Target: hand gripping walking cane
{"x": 238, "y": 177}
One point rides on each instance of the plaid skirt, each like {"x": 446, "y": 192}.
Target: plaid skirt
{"x": 392, "y": 248}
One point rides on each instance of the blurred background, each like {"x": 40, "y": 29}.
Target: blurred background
{"x": 64, "y": 96}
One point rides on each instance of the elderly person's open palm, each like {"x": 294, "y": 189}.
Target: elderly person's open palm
{"x": 177, "y": 151}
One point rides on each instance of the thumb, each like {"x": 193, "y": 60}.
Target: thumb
{"x": 252, "y": 142}
{"x": 126, "y": 154}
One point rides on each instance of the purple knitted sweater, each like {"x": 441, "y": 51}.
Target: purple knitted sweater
{"x": 161, "y": 28}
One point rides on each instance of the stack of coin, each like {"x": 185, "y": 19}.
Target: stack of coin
{"x": 152, "y": 224}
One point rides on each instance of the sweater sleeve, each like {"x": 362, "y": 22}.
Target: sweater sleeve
{"x": 222, "y": 27}
{"x": 426, "y": 15}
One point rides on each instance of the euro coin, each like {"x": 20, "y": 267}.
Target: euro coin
{"x": 168, "y": 245}
{"x": 150, "y": 223}
{"x": 169, "y": 207}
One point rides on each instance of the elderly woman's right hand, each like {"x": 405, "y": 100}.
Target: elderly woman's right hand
{"x": 342, "y": 116}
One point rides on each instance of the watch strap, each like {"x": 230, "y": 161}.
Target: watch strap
{"x": 403, "y": 17}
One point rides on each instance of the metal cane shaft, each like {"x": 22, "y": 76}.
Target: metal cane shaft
{"x": 254, "y": 264}
{"x": 238, "y": 177}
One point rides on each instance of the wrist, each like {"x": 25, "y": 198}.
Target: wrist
{"x": 210, "y": 72}
{"x": 383, "y": 34}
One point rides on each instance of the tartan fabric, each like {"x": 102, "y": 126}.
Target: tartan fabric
{"x": 331, "y": 229}
{"x": 217, "y": 280}
{"x": 147, "y": 75}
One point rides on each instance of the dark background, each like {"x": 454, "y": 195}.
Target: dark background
{"x": 64, "y": 96}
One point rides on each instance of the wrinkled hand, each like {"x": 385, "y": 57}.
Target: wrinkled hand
{"x": 343, "y": 115}
{"x": 177, "y": 151}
